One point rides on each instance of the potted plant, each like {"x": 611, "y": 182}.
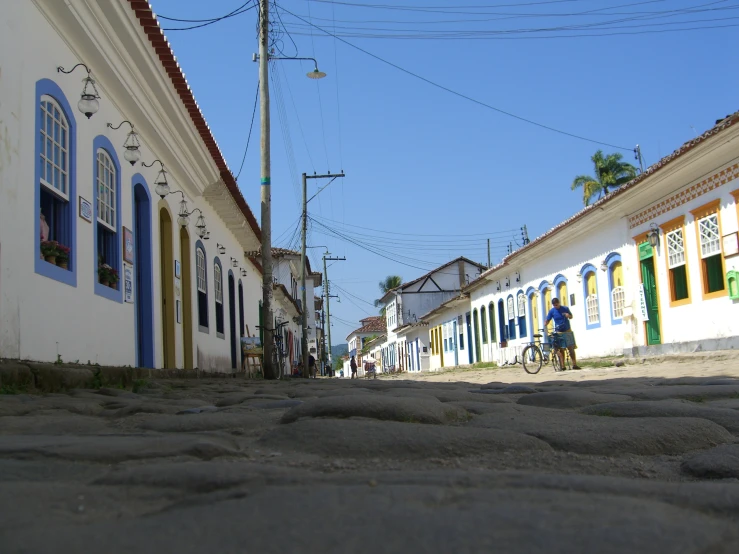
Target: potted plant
{"x": 49, "y": 250}
{"x": 62, "y": 256}
{"x": 104, "y": 273}
{"x": 113, "y": 278}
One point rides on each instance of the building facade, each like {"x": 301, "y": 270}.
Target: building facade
{"x": 98, "y": 262}
{"x": 649, "y": 269}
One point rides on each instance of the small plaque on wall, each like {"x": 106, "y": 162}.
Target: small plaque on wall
{"x": 127, "y": 245}
{"x": 178, "y": 310}
{"x": 85, "y": 210}
{"x": 731, "y": 245}
{"x": 177, "y": 269}
{"x": 128, "y": 283}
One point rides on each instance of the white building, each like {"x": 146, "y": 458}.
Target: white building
{"x": 408, "y": 302}
{"x": 450, "y": 333}
{"x": 649, "y": 269}
{"x": 181, "y": 301}
{"x": 288, "y": 307}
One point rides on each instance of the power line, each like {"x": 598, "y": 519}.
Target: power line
{"x": 459, "y": 94}
{"x": 205, "y": 22}
{"x": 251, "y": 126}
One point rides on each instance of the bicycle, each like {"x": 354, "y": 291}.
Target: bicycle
{"x": 278, "y": 354}
{"x": 557, "y": 347}
{"x": 535, "y": 354}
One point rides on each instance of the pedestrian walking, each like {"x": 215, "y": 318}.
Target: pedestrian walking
{"x": 353, "y": 365}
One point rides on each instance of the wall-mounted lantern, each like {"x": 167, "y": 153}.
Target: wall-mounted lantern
{"x": 162, "y": 186}
{"x": 653, "y": 235}
{"x": 234, "y": 262}
{"x": 131, "y": 145}
{"x": 88, "y": 103}
{"x": 221, "y": 248}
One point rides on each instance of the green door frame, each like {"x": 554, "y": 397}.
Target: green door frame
{"x": 649, "y": 281}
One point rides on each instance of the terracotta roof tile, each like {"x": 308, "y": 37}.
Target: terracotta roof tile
{"x": 159, "y": 43}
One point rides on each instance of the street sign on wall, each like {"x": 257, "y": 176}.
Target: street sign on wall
{"x": 643, "y": 312}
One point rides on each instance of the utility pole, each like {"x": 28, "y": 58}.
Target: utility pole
{"x": 489, "y": 253}
{"x": 637, "y": 156}
{"x": 304, "y": 318}
{"x": 266, "y": 191}
{"x": 525, "y": 235}
{"x": 328, "y": 305}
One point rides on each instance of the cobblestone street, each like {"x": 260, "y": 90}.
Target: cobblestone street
{"x": 640, "y": 458}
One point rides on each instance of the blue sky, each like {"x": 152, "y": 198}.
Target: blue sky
{"x": 431, "y": 175}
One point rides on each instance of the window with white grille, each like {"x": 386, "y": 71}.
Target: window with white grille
{"x": 617, "y": 301}
{"x": 521, "y": 305}
{"x": 218, "y": 283}
{"x": 106, "y": 179}
{"x": 54, "y": 147}
{"x": 709, "y": 236}
{"x": 592, "y": 306}
{"x": 511, "y": 311}
{"x": 200, "y": 267}
{"x": 675, "y": 248}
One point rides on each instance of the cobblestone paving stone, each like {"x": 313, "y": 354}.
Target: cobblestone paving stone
{"x": 638, "y": 460}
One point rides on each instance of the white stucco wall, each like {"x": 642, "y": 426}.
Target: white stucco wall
{"x": 552, "y": 260}
{"x": 40, "y": 317}
{"x": 715, "y": 318}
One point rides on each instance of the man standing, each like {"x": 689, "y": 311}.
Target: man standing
{"x": 353, "y": 365}
{"x": 562, "y": 316}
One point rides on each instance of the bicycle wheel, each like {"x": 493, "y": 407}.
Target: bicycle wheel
{"x": 532, "y": 359}
{"x": 556, "y": 362}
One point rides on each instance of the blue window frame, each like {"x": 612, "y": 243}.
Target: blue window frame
{"x": 521, "y": 307}
{"x": 616, "y": 299}
{"x": 106, "y": 170}
{"x": 55, "y": 178}
{"x": 511, "y": 308}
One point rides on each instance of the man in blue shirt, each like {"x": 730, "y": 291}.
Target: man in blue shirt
{"x": 562, "y": 316}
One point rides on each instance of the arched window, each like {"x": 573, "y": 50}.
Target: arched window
{"x": 218, "y": 288}
{"x": 202, "y": 283}
{"x": 55, "y": 205}
{"x": 511, "y": 318}
{"x": 484, "y": 319}
{"x": 560, "y": 288}
{"x": 545, "y": 290}
{"x": 106, "y": 200}
{"x": 521, "y": 314}
{"x": 590, "y": 292}
{"x": 616, "y": 287}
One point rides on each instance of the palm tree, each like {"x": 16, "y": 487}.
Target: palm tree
{"x": 610, "y": 173}
{"x": 389, "y": 283}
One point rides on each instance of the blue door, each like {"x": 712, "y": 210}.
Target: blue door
{"x": 143, "y": 292}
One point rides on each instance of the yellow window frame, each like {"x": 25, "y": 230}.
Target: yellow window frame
{"x": 668, "y": 227}
{"x": 713, "y": 207}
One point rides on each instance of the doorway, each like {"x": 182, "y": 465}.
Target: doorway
{"x": 232, "y": 315}
{"x": 242, "y": 327}
{"x": 143, "y": 293}
{"x": 649, "y": 282}
{"x": 167, "y": 288}
{"x": 502, "y": 323}
{"x": 186, "y": 297}
{"x": 454, "y": 342}
{"x": 469, "y": 339}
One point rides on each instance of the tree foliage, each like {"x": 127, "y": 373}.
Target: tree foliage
{"x": 386, "y": 285}
{"x": 611, "y": 172}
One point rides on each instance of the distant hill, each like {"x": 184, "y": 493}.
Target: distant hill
{"x": 338, "y": 350}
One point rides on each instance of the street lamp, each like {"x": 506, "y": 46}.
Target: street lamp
{"x": 162, "y": 186}
{"x": 131, "y": 144}
{"x": 266, "y": 180}
{"x": 88, "y": 103}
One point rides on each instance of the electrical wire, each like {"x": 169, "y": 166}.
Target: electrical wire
{"x": 461, "y": 95}
{"x": 204, "y": 23}
{"x": 251, "y": 126}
